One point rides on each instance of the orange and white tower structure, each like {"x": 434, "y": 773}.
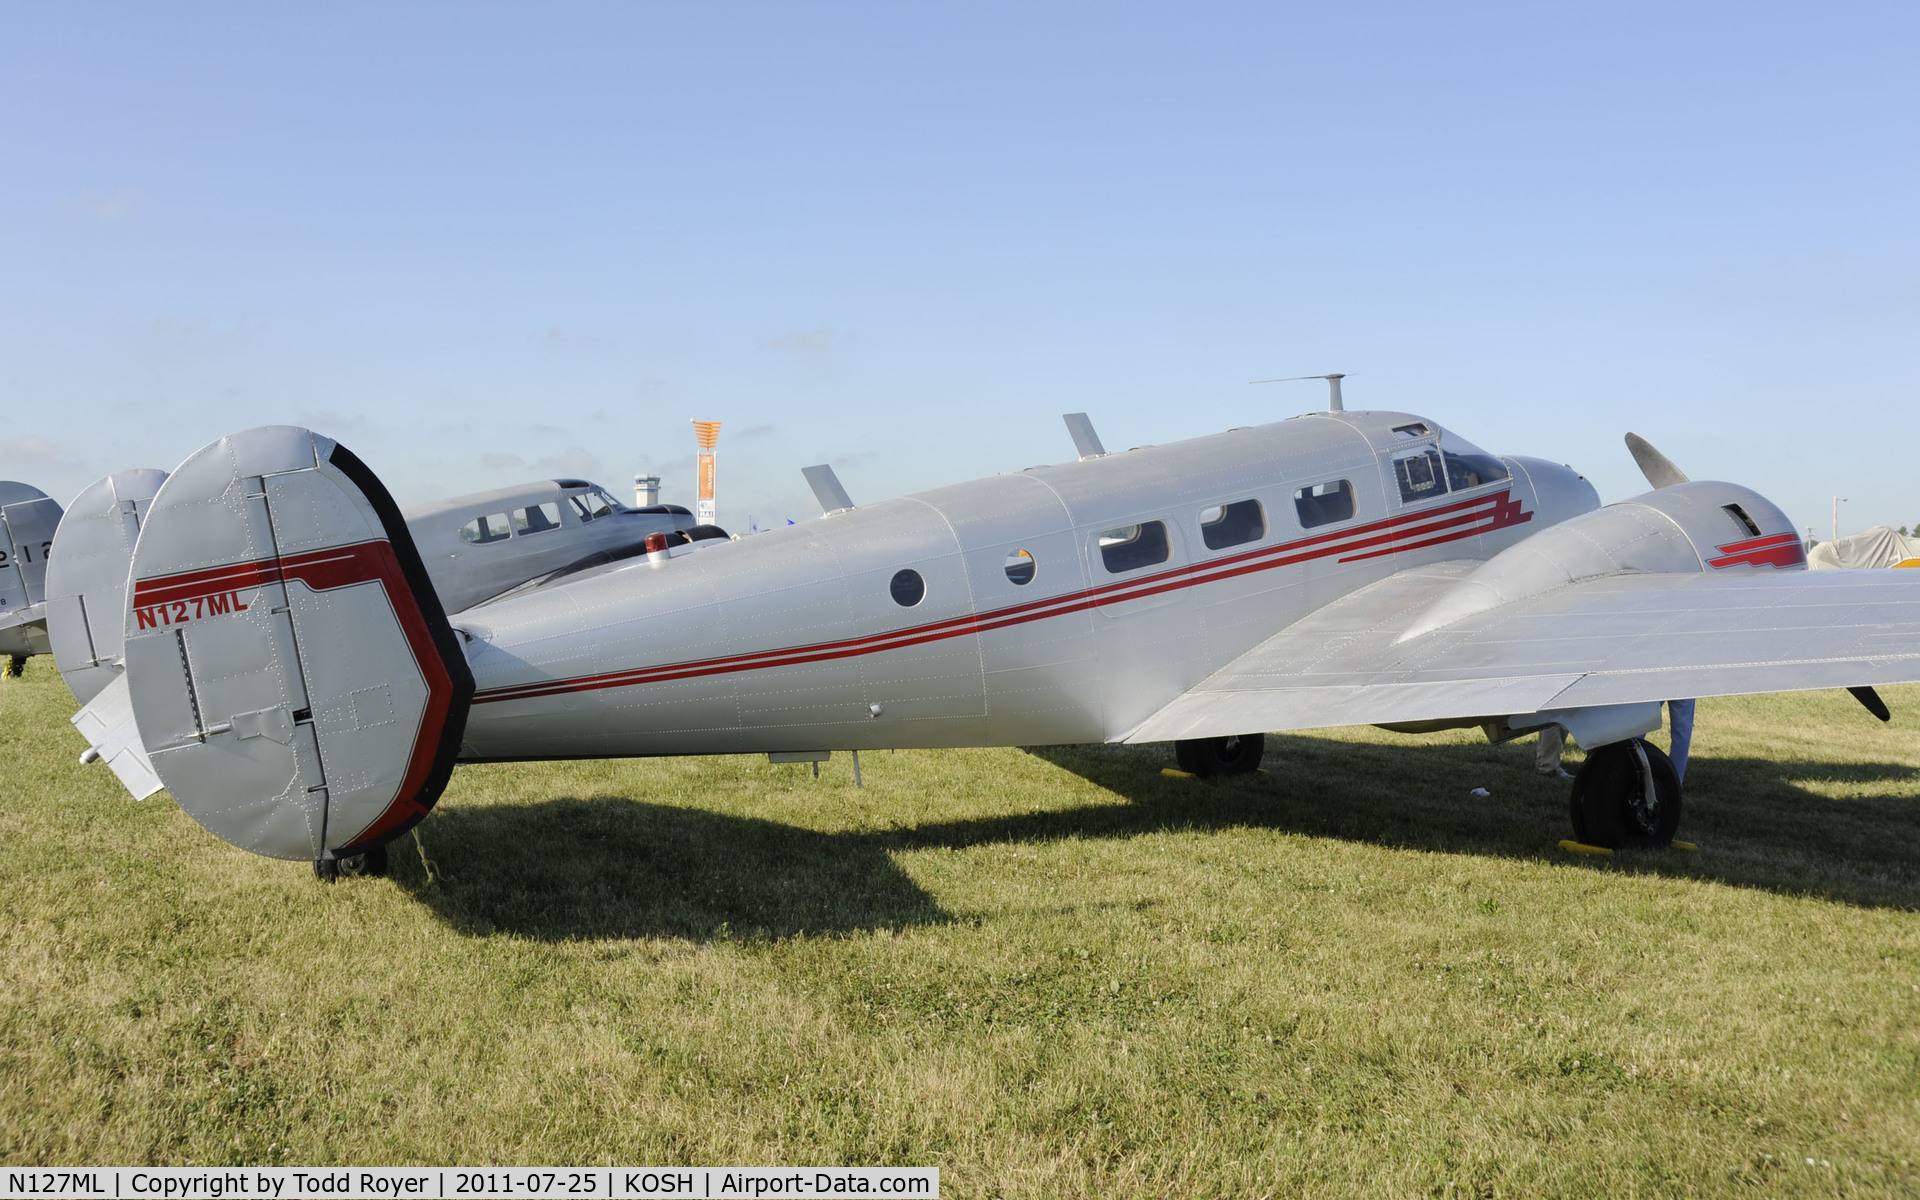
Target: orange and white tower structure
{"x": 707, "y": 433}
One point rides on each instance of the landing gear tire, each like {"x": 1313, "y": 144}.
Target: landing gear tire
{"x": 371, "y": 862}
{"x": 16, "y": 665}
{"x": 368, "y": 863}
{"x": 1614, "y": 806}
{"x": 1208, "y": 757}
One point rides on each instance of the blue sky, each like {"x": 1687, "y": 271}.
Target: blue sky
{"x": 482, "y": 243}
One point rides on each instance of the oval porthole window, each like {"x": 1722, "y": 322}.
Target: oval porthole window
{"x": 1020, "y": 567}
{"x": 908, "y": 588}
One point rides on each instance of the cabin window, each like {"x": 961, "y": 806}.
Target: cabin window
{"x": 1020, "y": 568}
{"x": 1324, "y": 503}
{"x": 490, "y": 528}
{"x": 1421, "y": 475}
{"x": 537, "y": 518}
{"x": 1417, "y": 429}
{"x": 1131, "y": 547}
{"x": 1233, "y": 524}
{"x": 1746, "y": 523}
{"x": 908, "y": 588}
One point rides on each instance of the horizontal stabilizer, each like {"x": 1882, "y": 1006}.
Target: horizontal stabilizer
{"x": 106, "y": 721}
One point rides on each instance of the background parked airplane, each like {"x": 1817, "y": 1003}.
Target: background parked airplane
{"x": 28, "y": 519}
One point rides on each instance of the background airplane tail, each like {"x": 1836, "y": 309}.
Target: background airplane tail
{"x": 27, "y": 521}
{"x": 87, "y": 577}
{"x": 294, "y": 680}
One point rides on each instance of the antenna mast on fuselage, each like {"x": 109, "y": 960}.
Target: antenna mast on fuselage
{"x": 1333, "y": 387}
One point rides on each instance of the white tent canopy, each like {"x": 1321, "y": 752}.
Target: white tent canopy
{"x": 1879, "y": 546}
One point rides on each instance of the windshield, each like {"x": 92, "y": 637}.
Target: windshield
{"x": 1468, "y": 466}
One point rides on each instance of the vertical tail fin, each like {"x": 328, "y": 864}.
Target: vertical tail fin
{"x": 87, "y": 578}
{"x": 293, "y": 677}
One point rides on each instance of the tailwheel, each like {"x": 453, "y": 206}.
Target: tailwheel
{"x": 368, "y": 863}
{"x": 1208, "y": 757}
{"x": 371, "y": 862}
{"x": 1626, "y": 796}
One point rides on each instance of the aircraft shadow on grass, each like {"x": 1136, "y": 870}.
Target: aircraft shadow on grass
{"x": 610, "y": 867}
{"x": 1757, "y": 826}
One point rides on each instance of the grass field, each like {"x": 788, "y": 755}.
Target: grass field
{"x": 1048, "y": 972}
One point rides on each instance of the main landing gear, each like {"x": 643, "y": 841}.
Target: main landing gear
{"x": 1208, "y": 757}
{"x": 1626, "y": 796}
{"x": 370, "y": 862}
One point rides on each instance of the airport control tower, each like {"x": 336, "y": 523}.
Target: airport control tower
{"x": 707, "y": 433}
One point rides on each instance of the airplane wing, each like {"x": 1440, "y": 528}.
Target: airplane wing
{"x": 1623, "y": 639}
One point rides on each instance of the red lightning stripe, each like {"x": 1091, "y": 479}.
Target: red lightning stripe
{"x": 1779, "y": 550}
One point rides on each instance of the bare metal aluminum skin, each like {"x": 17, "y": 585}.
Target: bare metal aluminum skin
{"x": 294, "y": 679}
{"x": 793, "y": 640}
{"x": 28, "y": 519}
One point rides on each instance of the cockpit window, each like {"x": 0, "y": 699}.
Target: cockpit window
{"x": 593, "y": 504}
{"x": 491, "y": 528}
{"x": 537, "y": 519}
{"x": 1469, "y": 466}
{"x": 1420, "y": 475}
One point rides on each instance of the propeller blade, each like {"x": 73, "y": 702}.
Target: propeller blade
{"x": 1657, "y": 467}
{"x": 1871, "y": 700}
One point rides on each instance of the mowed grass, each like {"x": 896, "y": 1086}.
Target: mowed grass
{"x": 1049, "y": 973}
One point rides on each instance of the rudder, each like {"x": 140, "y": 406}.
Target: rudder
{"x": 292, "y": 674}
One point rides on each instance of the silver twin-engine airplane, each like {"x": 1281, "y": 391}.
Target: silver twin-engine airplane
{"x": 285, "y": 659}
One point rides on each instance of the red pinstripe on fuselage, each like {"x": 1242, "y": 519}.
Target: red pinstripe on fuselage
{"x": 1408, "y": 531}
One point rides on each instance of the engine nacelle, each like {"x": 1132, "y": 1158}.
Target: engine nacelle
{"x": 1690, "y": 527}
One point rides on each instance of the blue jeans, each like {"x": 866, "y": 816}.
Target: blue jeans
{"x": 1680, "y": 724}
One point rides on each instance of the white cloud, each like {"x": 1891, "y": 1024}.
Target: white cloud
{"x": 331, "y": 421}
{"x": 807, "y": 341}
{"x": 574, "y": 462}
{"x": 501, "y": 462}
{"x": 34, "y": 453}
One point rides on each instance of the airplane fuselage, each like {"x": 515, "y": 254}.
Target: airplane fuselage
{"x": 1058, "y": 604}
